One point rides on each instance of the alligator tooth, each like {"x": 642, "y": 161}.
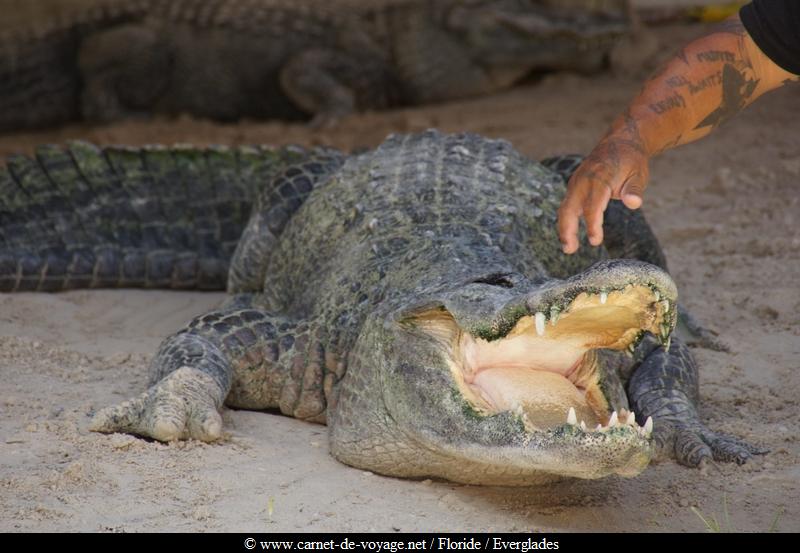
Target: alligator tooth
{"x": 603, "y": 297}
{"x": 648, "y": 426}
{"x": 666, "y": 345}
{"x": 664, "y": 333}
{"x": 599, "y": 427}
{"x": 612, "y": 422}
{"x": 539, "y": 318}
{"x": 657, "y": 295}
{"x": 631, "y": 420}
{"x": 571, "y": 417}
{"x": 583, "y": 426}
{"x": 554, "y": 314}
{"x": 665, "y": 305}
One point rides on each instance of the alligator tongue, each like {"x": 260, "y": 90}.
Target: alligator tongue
{"x": 545, "y": 397}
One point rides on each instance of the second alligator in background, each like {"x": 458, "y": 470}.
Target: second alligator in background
{"x": 288, "y": 59}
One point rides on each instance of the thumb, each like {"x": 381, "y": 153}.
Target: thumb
{"x": 632, "y": 193}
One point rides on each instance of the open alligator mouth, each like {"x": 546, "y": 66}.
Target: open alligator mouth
{"x": 546, "y": 367}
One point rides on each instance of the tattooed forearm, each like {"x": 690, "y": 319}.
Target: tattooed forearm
{"x": 706, "y": 83}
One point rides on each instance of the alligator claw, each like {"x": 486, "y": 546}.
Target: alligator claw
{"x": 181, "y": 406}
{"x": 696, "y": 445}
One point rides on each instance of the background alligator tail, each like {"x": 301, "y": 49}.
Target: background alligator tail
{"x": 40, "y": 82}
{"x": 153, "y": 217}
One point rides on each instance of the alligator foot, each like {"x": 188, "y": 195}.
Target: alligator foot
{"x": 695, "y": 444}
{"x": 181, "y": 406}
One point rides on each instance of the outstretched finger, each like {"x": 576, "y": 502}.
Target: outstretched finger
{"x": 568, "y": 230}
{"x": 568, "y": 219}
{"x": 571, "y": 209}
{"x": 593, "y": 210}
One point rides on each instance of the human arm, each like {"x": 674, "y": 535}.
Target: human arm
{"x": 707, "y": 82}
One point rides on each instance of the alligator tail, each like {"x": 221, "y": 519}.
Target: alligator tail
{"x": 154, "y": 217}
{"x": 40, "y": 83}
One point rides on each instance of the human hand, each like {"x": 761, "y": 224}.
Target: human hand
{"x": 616, "y": 168}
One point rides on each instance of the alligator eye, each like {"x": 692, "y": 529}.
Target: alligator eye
{"x": 498, "y": 279}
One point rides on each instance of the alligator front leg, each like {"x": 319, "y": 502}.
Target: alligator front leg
{"x": 329, "y": 84}
{"x": 244, "y": 357}
{"x": 665, "y": 387}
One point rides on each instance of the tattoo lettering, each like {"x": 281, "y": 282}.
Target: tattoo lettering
{"x": 711, "y": 80}
{"x": 672, "y": 102}
{"x": 632, "y": 137}
{"x": 677, "y": 81}
{"x": 716, "y": 56}
{"x": 736, "y": 90}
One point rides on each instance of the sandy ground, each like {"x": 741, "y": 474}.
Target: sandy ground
{"x": 726, "y": 212}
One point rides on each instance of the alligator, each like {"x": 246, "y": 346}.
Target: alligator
{"x": 288, "y": 59}
{"x": 414, "y": 298}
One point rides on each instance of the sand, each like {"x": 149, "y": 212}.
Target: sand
{"x": 725, "y": 209}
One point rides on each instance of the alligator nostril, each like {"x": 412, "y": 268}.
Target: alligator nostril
{"x": 496, "y": 280}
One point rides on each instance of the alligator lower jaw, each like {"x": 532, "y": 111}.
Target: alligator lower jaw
{"x": 545, "y": 369}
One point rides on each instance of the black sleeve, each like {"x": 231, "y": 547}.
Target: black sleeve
{"x": 774, "y": 26}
